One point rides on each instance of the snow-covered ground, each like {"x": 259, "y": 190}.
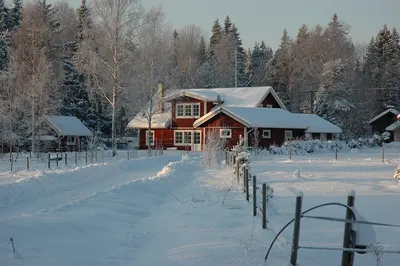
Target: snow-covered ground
{"x": 169, "y": 210}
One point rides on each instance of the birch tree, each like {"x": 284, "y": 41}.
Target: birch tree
{"x": 119, "y": 21}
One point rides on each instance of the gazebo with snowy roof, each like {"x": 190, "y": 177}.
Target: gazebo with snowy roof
{"x": 66, "y": 132}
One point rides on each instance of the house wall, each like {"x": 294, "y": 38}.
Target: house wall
{"x": 163, "y": 137}
{"x": 270, "y": 100}
{"x": 396, "y": 135}
{"x": 277, "y": 136}
{"x": 187, "y": 122}
{"x": 222, "y": 121}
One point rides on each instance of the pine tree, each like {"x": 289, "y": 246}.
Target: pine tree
{"x": 16, "y": 14}
{"x": 215, "y": 37}
{"x": 227, "y": 25}
{"x": 240, "y": 57}
{"x": 202, "y": 52}
{"x": 302, "y": 35}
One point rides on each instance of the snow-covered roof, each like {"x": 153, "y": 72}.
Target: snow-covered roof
{"x": 158, "y": 120}
{"x": 257, "y": 117}
{"x": 68, "y": 126}
{"x": 317, "y": 124}
{"x": 231, "y": 97}
{"x": 391, "y": 110}
{"x": 393, "y": 126}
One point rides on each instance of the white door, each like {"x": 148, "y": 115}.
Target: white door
{"x": 196, "y": 140}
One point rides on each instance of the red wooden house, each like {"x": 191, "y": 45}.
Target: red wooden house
{"x": 183, "y": 118}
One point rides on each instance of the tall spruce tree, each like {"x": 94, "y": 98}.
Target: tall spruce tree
{"x": 215, "y": 37}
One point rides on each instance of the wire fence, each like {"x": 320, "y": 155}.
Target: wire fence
{"x": 61, "y": 160}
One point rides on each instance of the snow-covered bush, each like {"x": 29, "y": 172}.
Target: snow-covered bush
{"x": 213, "y": 152}
{"x": 312, "y": 146}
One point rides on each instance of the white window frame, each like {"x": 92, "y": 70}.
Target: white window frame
{"x": 147, "y": 137}
{"x": 269, "y": 133}
{"x": 222, "y": 136}
{"x": 288, "y": 132}
{"x": 269, "y": 106}
{"x": 184, "y": 106}
{"x": 194, "y": 133}
{"x": 184, "y": 132}
{"x": 71, "y": 140}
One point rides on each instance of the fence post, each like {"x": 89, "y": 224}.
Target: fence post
{"x": 336, "y": 154}
{"x": 254, "y": 195}
{"x": 264, "y": 205}
{"x": 27, "y": 162}
{"x": 76, "y": 158}
{"x": 57, "y": 159}
{"x": 296, "y": 230}
{"x": 245, "y": 170}
{"x": 11, "y": 161}
{"x": 290, "y": 151}
{"x": 48, "y": 160}
{"x": 92, "y": 156}
{"x": 66, "y": 158}
{"x": 128, "y": 153}
{"x": 383, "y": 153}
{"x": 237, "y": 172}
{"x": 247, "y": 186}
{"x": 348, "y": 256}
{"x": 86, "y": 157}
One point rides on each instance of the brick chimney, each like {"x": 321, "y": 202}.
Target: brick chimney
{"x": 160, "y": 98}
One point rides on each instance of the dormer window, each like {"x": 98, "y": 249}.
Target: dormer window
{"x": 188, "y": 110}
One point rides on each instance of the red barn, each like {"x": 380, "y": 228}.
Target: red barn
{"x": 183, "y": 118}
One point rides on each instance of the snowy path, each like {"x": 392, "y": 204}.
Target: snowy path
{"x": 48, "y": 190}
{"x": 98, "y": 227}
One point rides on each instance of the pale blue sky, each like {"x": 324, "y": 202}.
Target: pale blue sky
{"x": 265, "y": 19}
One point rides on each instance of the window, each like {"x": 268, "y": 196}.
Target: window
{"x": 151, "y": 137}
{"x": 308, "y": 135}
{"x": 70, "y": 140}
{"x": 179, "y": 110}
{"x": 196, "y": 137}
{"x": 178, "y": 137}
{"x": 187, "y": 137}
{"x": 266, "y": 134}
{"x": 196, "y": 110}
{"x": 225, "y": 133}
{"x": 188, "y": 110}
{"x": 324, "y": 136}
{"x": 288, "y": 134}
{"x": 270, "y": 106}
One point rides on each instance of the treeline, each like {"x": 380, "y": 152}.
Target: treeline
{"x": 102, "y": 66}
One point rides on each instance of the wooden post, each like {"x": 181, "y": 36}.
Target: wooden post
{"x": 92, "y": 156}
{"x": 247, "y": 186}
{"x": 27, "y": 162}
{"x": 48, "y": 160}
{"x": 76, "y": 158}
{"x": 254, "y": 195}
{"x": 66, "y": 158}
{"x": 237, "y": 172}
{"x": 57, "y": 159}
{"x": 86, "y": 157}
{"x": 264, "y": 206}
{"x": 383, "y": 153}
{"x": 348, "y": 256}
{"x": 290, "y": 151}
{"x": 128, "y": 153}
{"x": 336, "y": 154}
{"x": 245, "y": 170}
{"x": 11, "y": 161}
{"x": 296, "y": 230}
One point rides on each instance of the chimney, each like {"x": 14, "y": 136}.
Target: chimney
{"x": 160, "y": 98}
